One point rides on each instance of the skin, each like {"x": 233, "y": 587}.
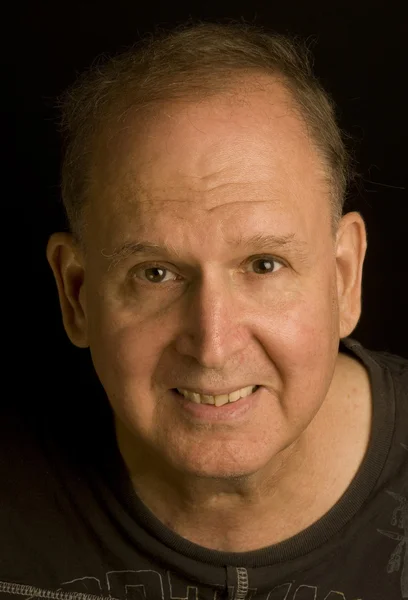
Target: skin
{"x": 198, "y": 176}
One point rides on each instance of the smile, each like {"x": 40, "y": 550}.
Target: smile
{"x": 217, "y": 400}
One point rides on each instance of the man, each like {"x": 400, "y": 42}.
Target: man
{"x": 258, "y": 451}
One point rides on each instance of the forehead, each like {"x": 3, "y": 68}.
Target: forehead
{"x": 205, "y": 160}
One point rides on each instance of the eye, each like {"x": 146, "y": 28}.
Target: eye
{"x": 270, "y": 263}
{"x": 156, "y": 273}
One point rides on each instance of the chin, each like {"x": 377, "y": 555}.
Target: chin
{"x": 236, "y": 463}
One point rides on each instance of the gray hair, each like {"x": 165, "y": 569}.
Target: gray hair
{"x": 192, "y": 61}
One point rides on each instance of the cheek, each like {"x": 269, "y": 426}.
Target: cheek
{"x": 301, "y": 338}
{"x": 312, "y": 325}
{"x": 125, "y": 359}
{"x": 123, "y": 352}
{"x": 301, "y": 334}
{"x": 127, "y": 353}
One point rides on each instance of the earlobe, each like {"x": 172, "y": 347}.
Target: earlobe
{"x": 351, "y": 248}
{"x": 69, "y": 276}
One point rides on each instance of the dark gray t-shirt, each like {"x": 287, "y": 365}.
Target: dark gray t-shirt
{"x": 71, "y": 526}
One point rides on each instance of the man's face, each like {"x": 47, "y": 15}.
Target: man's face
{"x": 215, "y": 313}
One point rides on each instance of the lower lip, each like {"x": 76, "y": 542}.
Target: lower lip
{"x": 232, "y": 411}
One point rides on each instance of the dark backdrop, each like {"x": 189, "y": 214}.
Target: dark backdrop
{"x": 361, "y": 57}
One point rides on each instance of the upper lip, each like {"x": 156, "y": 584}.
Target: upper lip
{"x": 202, "y": 392}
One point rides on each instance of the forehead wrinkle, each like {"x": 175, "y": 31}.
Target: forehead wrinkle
{"x": 139, "y": 194}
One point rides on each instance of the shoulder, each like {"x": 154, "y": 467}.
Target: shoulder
{"x": 397, "y": 365}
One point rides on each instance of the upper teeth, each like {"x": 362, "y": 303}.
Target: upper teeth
{"x": 217, "y": 400}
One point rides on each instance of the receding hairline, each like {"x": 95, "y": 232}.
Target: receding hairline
{"x": 137, "y": 120}
{"x": 195, "y": 60}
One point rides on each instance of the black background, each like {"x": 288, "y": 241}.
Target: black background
{"x": 360, "y": 55}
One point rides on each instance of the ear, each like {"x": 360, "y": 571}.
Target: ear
{"x": 351, "y": 245}
{"x": 66, "y": 264}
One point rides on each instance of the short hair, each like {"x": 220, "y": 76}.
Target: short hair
{"x": 192, "y": 61}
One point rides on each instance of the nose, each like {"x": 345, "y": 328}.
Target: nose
{"x": 213, "y": 328}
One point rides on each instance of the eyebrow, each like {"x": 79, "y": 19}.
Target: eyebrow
{"x": 258, "y": 241}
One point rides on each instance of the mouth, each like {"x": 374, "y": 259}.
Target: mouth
{"x": 237, "y": 410}
{"x": 217, "y": 400}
